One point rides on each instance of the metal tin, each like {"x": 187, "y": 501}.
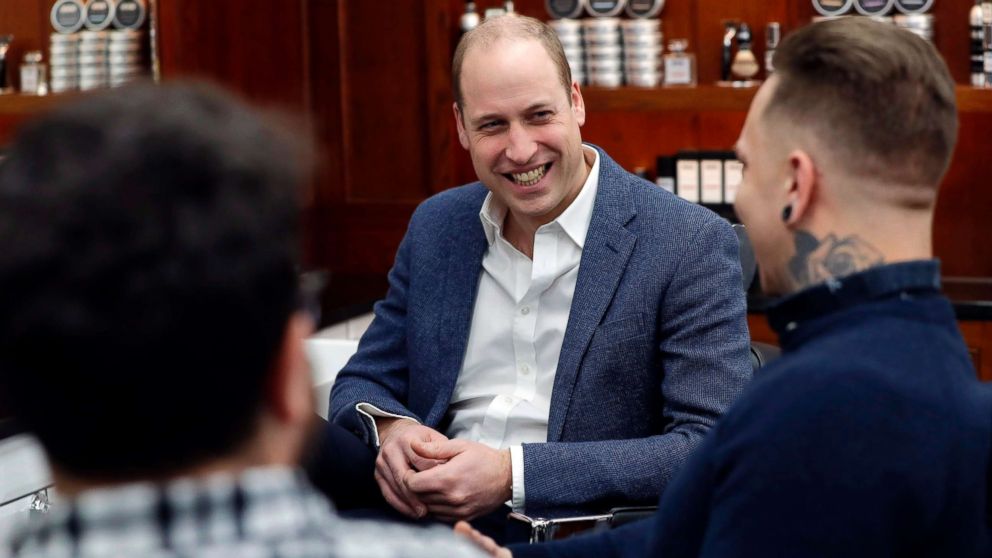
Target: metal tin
{"x": 641, "y": 25}
{"x": 643, "y": 53}
{"x": 644, "y": 79}
{"x": 604, "y": 52}
{"x": 915, "y": 21}
{"x": 565, "y": 9}
{"x": 63, "y": 50}
{"x": 874, "y": 7}
{"x": 62, "y": 39}
{"x": 642, "y": 66}
{"x": 99, "y": 14}
{"x": 605, "y": 8}
{"x": 595, "y": 26}
{"x": 604, "y": 66}
{"x": 566, "y": 25}
{"x": 602, "y": 40}
{"x": 914, "y": 6}
{"x": 92, "y": 59}
{"x": 130, "y": 14}
{"x": 644, "y": 8}
{"x": 636, "y": 41}
{"x": 65, "y": 72}
{"x": 832, "y": 7}
{"x": 570, "y": 41}
{"x": 574, "y": 53}
{"x": 67, "y": 16}
{"x": 606, "y": 79}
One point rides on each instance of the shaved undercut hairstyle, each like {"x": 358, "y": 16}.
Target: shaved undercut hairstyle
{"x": 881, "y": 98}
{"x": 511, "y": 26}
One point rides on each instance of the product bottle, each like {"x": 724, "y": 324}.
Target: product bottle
{"x": 977, "y": 51}
{"x": 470, "y": 19}
{"x": 680, "y": 66}
{"x": 745, "y": 64}
{"x": 773, "y": 35}
{"x": 34, "y": 79}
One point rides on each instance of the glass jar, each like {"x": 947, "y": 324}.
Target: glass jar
{"x": 680, "y": 66}
{"x": 34, "y": 75}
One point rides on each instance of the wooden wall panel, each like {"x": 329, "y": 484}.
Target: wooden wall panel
{"x": 259, "y": 53}
{"x": 963, "y": 221}
{"x": 636, "y": 139}
{"x": 383, "y": 83}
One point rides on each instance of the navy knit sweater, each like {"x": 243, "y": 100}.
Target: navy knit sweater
{"x": 870, "y": 436}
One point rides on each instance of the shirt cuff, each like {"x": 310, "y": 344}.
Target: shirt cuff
{"x": 517, "y": 472}
{"x": 370, "y": 412}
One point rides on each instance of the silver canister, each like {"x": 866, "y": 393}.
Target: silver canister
{"x": 643, "y": 47}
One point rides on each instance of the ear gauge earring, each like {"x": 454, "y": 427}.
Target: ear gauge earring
{"x": 787, "y": 213}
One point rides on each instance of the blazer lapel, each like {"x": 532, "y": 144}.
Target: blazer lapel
{"x": 607, "y": 249}
{"x": 465, "y": 245}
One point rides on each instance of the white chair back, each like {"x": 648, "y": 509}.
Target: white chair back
{"x": 327, "y": 357}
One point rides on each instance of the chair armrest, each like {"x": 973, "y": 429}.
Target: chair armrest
{"x": 630, "y": 514}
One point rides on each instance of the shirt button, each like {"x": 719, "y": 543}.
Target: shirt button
{"x": 791, "y": 326}
{"x": 525, "y": 310}
{"x": 524, "y": 369}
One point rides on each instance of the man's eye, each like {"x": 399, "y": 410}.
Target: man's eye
{"x": 489, "y": 125}
{"x": 542, "y": 115}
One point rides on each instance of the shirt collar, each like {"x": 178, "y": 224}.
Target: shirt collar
{"x": 790, "y": 312}
{"x": 574, "y": 220}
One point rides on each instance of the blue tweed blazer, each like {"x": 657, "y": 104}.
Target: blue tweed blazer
{"x": 655, "y": 349}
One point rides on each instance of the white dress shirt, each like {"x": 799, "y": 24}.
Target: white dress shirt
{"x": 502, "y": 397}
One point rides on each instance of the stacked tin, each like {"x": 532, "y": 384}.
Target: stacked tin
{"x": 569, "y": 32}
{"x": 604, "y": 53}
{"x": 93, "y": 70}
{"x": 642, "y": 43}
{"x": 64, "y": 60}
{"x": 125, "y": 60}
{"x": 918, "y": 24}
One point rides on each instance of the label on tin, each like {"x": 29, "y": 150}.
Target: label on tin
{"x": 644, "y": 8}
{"x": 67, "y": 16}
{"x": 913, "y": 6}
{"x": 564, "y": 9}
{"x": 832, "y": 7}
{"x": 873, "y": 7}
{"x": 130, "y": 14}
{"x": 98, "y": 14}
{"x": 605, "y": 7}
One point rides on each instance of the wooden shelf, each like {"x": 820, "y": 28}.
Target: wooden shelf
{"x": 644, "y": 99}
{"x": 17, "y": 104}
{"x": 715, "y": 98}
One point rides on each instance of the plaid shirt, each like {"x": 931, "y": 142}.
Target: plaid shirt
{"x": 261, "y": 513}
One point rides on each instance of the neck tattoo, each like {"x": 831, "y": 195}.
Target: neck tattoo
{"x": 818, "y": 260}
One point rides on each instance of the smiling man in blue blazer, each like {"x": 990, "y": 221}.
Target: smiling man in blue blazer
{"x": 559, "y": 333}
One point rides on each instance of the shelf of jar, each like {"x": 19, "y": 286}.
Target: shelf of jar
{"x": 717, "y": 98}
{"x": 15, "y": 104}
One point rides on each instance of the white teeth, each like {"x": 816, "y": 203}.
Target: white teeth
{"x": 529, "y": 178}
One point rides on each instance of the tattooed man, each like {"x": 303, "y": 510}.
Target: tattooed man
{"x": 871, "y": 435}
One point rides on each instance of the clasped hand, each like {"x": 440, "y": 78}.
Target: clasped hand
{"x": 421, "y": 471}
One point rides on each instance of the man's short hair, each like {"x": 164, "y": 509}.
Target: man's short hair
{"x": 881, "y": 97}
{"x": 513, "y": 26}
{"x": 148, "y": 272}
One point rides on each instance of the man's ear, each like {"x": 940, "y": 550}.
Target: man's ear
{"x": 578, "y": 104}
{"x": 460, "y": 124}
{"x": 290, "y": 394}
{"x": 802, "y": 186}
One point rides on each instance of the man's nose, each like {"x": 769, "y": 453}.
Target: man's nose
{"x": 520, "y": 147}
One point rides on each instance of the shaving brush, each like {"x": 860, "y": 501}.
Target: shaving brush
{"x": 745, "y": 64}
